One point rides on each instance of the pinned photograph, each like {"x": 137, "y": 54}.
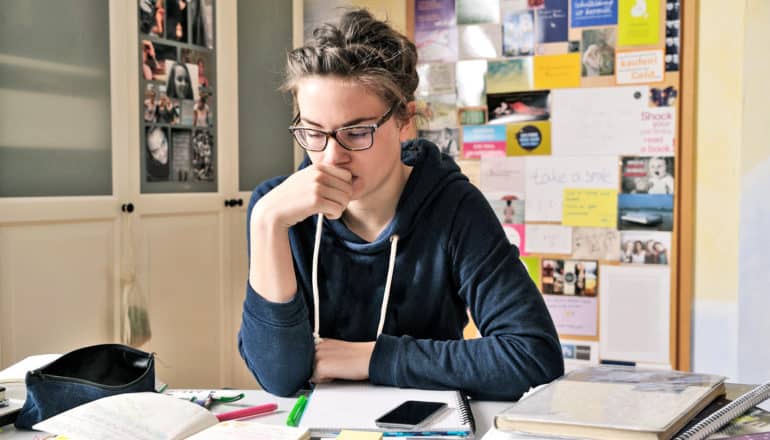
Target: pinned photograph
{"x": 471, "y": 115}
{"x": 508, "y": 208}
{"x": 202, "y": 22}
{"x": 647, "y": 175}
{"x": 203, "y": 62}
{"x": 439, "y": 111}
{"x": 513, "y": 75}
{"x": 663, "y": 97}
{"x": 598, "y": 46}
{"x": 202, "y": 160}
{"x": 154, "y": 60}
{"x": 436, "y": 79}
{"x": 508, "y": 108}
{"x": 518, "y": 33}
{"x": 181, "y": 145}
{"x": 645, "y": 212}
{"x": 156, "y": 154}
{"x": 150, "y": 103}
{"x": 152, "y": 17}
{"x": 569, "y": 277}
{"x": 181, "y": 80}
{"x": 446, "y": 139}
{"x": 176, "y": 20}
{"x": 167, "y": 110}
{"x": 641, "y": 247}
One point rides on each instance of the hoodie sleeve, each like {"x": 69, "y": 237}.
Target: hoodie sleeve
{"x": 275, "y": 339}
{"x": 519, "y": 347}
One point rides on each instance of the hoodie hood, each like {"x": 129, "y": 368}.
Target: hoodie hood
{"x": 432, "y": 173}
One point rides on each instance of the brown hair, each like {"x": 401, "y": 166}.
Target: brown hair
{"x": 363, "y": 49}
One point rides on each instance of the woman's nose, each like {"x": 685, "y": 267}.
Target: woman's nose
{"x": 334, "y": 153}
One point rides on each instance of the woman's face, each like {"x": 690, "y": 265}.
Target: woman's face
{"x": 327, "y": 103}
{"x": 157, "y": 144}
{"x": 181, "y": 81}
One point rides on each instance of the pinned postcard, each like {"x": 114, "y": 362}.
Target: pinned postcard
{"x": 516, "y": 236}
{"x": 532, "y": 264}
{"x": 658, "y": 131}
{"x": 638, "y": 67}
{"x": 509, "y": 75}
{"x": 436, "y": 79}
{"x": 635, "y": 297}
{"x": 483, "y": 140}
{"x": 508, "y": 208}
{"x": 478, "y": 11}
{"x": 446, "y": 139}
{"x": 573, "y": 315}
{"x": 440, "y": 111}
{"x": 518, "y": 33}
{"x": 578, "y": 353}
{"x": 529, "y": 138}
{"x": 638, "y": 22}
{"x": 597, "y": 121}
{"x": 645, "y": 212}
{"x": 479, "y": 41}
{"x": 647, "y": 175}
{"x": 434, "y": 14}
{"x": 645, "y": 247}
{"x": 557, "y": 71}
{"x": 598, "y": 46}
{"x": 548, "y": 239}
{"x": 590, "y": 207}
{"x": 552, "y": 22}
{"x": 569, "y": 277}
{"x": 596, "y": 244}
{"x": 472, "y": 115}
{"x": 471, "y": 87}
{"x": 548, "y": 177}
{"x": 510, "y": 108}
{"x": 436, "y": 44}
{"x": 503, "y": 175}
{"x": 585, "y": 13}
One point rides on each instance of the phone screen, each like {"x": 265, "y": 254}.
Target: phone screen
{"x": 409, "y": 414}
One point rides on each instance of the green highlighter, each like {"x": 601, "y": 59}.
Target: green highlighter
{"x": 296, "y": 412}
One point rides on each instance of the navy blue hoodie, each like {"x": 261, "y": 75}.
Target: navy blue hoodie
{"x": 452, "y": 255}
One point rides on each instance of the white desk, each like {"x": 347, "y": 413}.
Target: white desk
{"x": 484, "y": 413}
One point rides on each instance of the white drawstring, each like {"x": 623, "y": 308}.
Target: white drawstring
{"x": 385, "y": 295}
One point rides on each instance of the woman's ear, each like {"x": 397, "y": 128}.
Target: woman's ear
{"x": 408, "y": 128}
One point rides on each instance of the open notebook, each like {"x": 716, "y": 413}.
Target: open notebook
{"x": 355, "y": 405}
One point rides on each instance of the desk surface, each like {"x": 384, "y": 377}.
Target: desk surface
{"x": 484, "y": 413}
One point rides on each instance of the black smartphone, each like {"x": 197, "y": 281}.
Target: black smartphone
{"x": 410, "y": 414}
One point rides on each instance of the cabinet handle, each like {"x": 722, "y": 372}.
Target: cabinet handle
{"x": 127, "y": 207}
{"x": 240, "y": 202}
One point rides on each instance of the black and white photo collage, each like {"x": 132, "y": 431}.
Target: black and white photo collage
{"x": 672, "y": 35}
{"x": 178, "y": 81}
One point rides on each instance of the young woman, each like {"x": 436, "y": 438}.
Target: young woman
{"x": 362, "y": 263}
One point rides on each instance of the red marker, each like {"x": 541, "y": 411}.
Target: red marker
{"x": 247, "y": 412}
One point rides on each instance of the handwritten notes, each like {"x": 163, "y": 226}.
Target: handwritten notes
{"x": 548, "y": 239}
{"x": 590, "y": 207}
{"x": 597, "y": 121}
{"x": 557, "y": 71}
{"x": 573, "y": 315}
{"x": 548, "y": 177}
{"x": 596, "y": 244}
{"x": 503, "y": 175}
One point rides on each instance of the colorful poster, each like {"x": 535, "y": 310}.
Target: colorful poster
{"x": 645, "y": 212}
{"x": 519, "y": 33}
{"x": 638, "y": 67}
{"x": 569, "y": 277}
{"x": 514, "y": 75}
{"x": 548, "y": 239}
{"x": 647, "y": 175}
{"x": 598, "y": 47}
{"x": 645, "y": 247}
{"x": 529, "y": 139}
{"x": 557, "y": 71}
{"x": 585, "y": 13}
{"x": 549, "y": 176}
{"x": 658, "y": 131}
{"x": 510, "y": 108}
{"x": 573, "y": 315}
{"x": 590, "y": 207}
{"x": 552, "y": 22}
{"x": 639, "y": 22}
{"x": 483, "y": 140}
{"x": 596, "y": 244}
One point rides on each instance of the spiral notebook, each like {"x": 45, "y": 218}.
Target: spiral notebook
{"x": 725, "y": 414}
{"x": 335, "y": 406}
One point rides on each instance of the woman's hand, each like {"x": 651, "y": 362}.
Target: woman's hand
{"x": 335, "y": 359}
{"x": 318, "y": 188}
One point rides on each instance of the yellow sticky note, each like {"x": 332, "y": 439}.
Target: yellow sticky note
{"x": 590, "y": 207}
{"x": 359, "y": 435}
{"x": 638, "y": 22}
{"x": 557, "y": 71}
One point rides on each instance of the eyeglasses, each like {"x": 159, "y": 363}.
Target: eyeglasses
{"x": 353, "y": 138}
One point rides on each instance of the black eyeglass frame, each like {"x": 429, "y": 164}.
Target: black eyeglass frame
{"x": 333, "y": 133}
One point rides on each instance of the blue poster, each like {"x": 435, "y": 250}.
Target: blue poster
{"x": 585, "y": 13}
{"x": 483, "y": 133}
{"x": 552, "y": 22}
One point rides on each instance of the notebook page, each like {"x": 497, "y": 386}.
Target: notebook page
{"x": 235, "y": 430}
{"x": 352, "y": 405}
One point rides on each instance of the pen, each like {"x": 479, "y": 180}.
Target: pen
{"x": 247, "y": 412}
{"x": 296, "y": 412}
